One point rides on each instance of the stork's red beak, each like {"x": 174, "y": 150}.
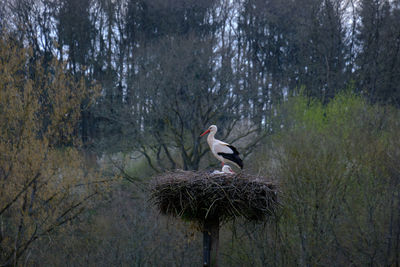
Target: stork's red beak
{"x": 206, "y": 132}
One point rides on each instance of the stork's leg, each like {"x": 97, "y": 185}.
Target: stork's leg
{"x": 222, "y": 163}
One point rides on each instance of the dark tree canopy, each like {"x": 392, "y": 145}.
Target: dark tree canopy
{"x": 168, "y": 69}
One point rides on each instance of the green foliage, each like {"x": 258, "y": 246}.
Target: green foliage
{"x": 42, "y": 187}
{"x": 340, "y": 181}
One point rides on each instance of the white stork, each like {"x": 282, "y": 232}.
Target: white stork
{"x": 224, "y": 152}
{"x": 225, "y": 169}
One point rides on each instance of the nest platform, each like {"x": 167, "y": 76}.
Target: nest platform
{"x": 203, "y": 196}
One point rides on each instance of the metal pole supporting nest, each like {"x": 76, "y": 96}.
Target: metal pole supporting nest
{"x": 210, "y": 200}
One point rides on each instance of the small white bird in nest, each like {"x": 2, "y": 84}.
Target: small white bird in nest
{"x": 226, "y": 169}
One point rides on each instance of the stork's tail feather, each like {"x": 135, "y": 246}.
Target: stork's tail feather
{"x": 233, "y": 157}
{"x": 241, "y": 164}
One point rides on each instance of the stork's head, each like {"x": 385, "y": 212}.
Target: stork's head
{"x": 211, "y": 129}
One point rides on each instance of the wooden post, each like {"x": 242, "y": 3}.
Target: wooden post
{"x": 210, "y": 242}
{"x": 206, "y": 248}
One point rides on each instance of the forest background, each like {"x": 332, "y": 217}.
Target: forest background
{"x": 97, "y": 96}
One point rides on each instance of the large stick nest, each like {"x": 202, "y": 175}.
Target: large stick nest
{"x": 197, "y": 196}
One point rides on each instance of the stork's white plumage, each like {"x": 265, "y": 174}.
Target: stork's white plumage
{"x": 226, "y": 169}
{"x": 224, "y": 152}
